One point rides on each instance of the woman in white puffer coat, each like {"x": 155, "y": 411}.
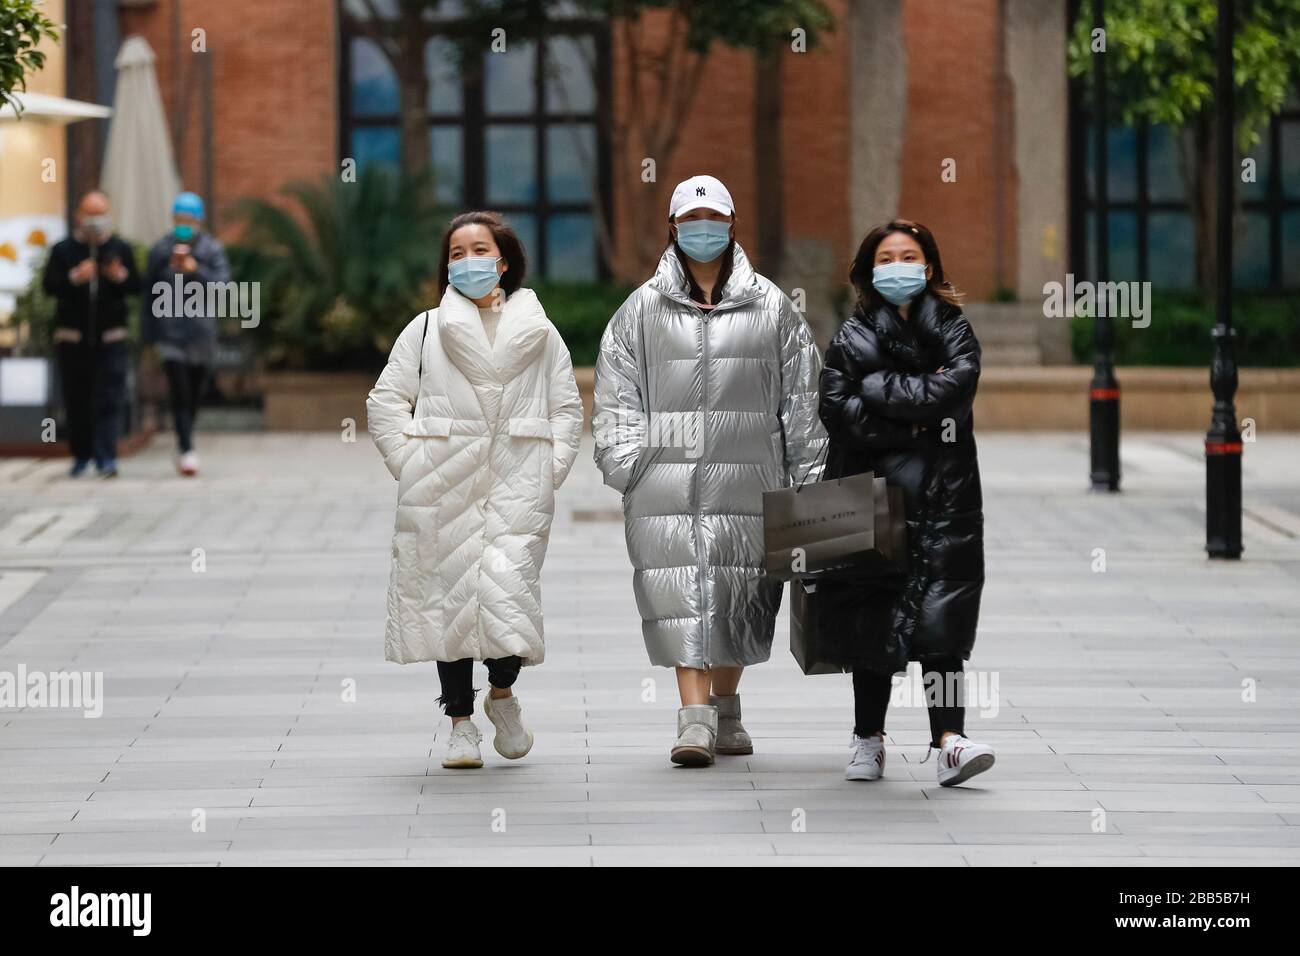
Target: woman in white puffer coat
{"x": 477, "y": 416}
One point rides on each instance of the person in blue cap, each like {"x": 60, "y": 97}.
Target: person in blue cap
{"x": 173, "y": 321}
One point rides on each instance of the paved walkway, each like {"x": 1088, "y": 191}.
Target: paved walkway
{"x": 228, "y": 736}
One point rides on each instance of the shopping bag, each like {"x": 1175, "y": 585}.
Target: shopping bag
{"x": 838, "y": 624}
{"x": 855, "y": 523}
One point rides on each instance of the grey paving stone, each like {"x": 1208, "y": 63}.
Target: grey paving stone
{"x": 1119, "y": 691}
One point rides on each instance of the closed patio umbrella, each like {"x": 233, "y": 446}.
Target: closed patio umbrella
{"x": 139, "y": 172}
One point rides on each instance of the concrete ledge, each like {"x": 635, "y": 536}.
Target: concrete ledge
{"x": 1055, "y": 398}
{"x": 315, "y": 401}
{"x": 1152, "y": 399}
{"x": 1028, "y": 398}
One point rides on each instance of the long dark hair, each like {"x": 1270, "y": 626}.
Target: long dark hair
{"x": 512, "y": 250}
{"x": 693, "y": 289}
{"x": 865, "y": 260}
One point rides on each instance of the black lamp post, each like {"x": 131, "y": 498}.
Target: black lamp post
{"x": 1223, "y": 440}
{"x": 1103, "y": 390}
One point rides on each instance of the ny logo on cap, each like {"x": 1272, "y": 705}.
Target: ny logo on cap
{"x": 699, "y": 190}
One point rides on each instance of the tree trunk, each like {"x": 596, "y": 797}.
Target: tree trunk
{"x": 1198, "y": 164}
{"x": 413, "y": 92}
{"x": 768, "y": 163}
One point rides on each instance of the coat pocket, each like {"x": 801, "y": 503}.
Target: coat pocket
{"x": 540, "y": 453}
{"x": 428, "y": 444}
{"x": 428, "y": 428}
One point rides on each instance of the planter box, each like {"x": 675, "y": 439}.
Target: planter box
{"x": 1151, "y": 399}
{"x": 1010, "y": 398}
{"x": 315, "y": 401}
{"x": 1055, "y": 398}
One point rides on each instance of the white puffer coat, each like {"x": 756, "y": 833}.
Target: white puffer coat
{"x": 479, "y": 444}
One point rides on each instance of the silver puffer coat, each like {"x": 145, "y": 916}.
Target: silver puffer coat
{"x": 696, "y": 415}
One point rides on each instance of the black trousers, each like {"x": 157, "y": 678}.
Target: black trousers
{"x": 457, "y": 680}
{"x": 185, "y": 386}
{"x": 93, "y": 380}
{"x": 942, "y": 679}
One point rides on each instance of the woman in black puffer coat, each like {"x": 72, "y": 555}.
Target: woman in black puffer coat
{"x": 896, "y": 394}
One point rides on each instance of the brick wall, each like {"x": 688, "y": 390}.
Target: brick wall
{"x": 952, "y": 103}
{"x": 717, "y": 137}
{"x": 275, "y": 90}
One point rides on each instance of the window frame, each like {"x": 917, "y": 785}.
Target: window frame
{"x": 1274, "y": 204}
{"x": 473, "y": 122}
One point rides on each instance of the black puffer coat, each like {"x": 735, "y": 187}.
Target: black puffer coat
{"x": 889, "y": 410}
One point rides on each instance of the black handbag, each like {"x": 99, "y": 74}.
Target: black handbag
{"x": 837, "y": 624}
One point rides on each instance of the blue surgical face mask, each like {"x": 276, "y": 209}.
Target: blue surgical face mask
{"x": 474, "y": 276}
{"x": 184, "y": 232}
{"x": 703, "y": 239}
{"x": 899, "y": 282}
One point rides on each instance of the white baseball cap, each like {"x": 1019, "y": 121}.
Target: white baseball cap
{"x": 697, "y": 192}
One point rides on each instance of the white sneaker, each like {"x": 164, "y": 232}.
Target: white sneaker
{"x": 513, "y": 740}
{"x": 187, "y": 464}
{"x": 462, "y": 747}
{"x": 868, "y": 759}
{"x": 961, "y": 758}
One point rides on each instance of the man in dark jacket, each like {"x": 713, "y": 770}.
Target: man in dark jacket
{"x": 90, "y": 274}
{"x": 186, "y": 338}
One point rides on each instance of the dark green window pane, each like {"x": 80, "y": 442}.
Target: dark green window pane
{"x": 570, "y": 162}
{"x": 1290, "y": 133}
{"x": 1164, "y": 176}
{"x": 376, "y": 144}
{"x": 1291, "y": 249}
{"x": 1171, "y": 250}
{"x": 509, "y": 80}
{"x": 445, "y": 148}
{"x": 1123, "y": 246}
{"x": 511, "y": 164}
{"x": 525, "y": 226}
{"x": 1121, "y": 164}
{"x": 373, "y": 81}
{"x": 568, "y": 78}
{"x": 442, "y": 71}
{"x": 1260, "y": 154}
{"x": 571, "y": 247}
{"x": 1250, "y": 264}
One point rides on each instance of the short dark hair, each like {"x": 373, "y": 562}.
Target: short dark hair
{"x": 507, "y": 240}
{"x": 864, "y": 262}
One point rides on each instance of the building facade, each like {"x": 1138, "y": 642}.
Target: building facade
{"x": 957, "y": 113}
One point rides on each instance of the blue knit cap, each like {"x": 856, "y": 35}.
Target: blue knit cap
{"x": 188, "y": 204}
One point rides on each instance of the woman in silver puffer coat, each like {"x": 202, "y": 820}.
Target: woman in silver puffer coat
{"x": 705, "y": 397}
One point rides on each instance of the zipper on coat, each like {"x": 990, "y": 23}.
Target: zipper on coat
{"x": 701, "y": 567}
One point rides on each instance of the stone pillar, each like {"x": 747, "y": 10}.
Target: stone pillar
{"x": 1036, "y": 66}
{"x": 877, "y": 92}
{"x": 877, "y": 110}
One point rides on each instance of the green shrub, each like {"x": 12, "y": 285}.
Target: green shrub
{"x": 1268, "y": 332}
{"x": 342, "y": 267}
{"x": 33, "y": 316}
{"x": 580, "y": 310}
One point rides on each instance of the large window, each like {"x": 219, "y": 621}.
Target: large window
{"x": 515, "y": 131}
{"x": 1151, "y": 233}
